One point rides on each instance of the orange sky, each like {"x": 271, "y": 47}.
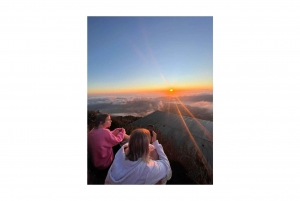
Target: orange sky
{"x": 162, "y": 91}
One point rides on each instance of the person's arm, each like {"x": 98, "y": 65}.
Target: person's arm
{"x": 153, "y": 153}
{"x": 161, "y": 154}
{"x": 161, "y": 167}
{"x": 126, "y": 137}
{"x": 117, "y": 131}
{"x": 154, "y": 135}
{"x": 114, "y": 139}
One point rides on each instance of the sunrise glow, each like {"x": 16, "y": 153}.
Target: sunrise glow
{"x": 134, "y": 55}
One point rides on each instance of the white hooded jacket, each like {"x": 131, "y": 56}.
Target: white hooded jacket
{"x": 124, "y": 171}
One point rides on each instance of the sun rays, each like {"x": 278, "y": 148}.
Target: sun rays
{"x": 202, "y": 157}
{"x": 206, "y": 132}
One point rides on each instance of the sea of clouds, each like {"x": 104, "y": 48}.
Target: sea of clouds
{"x": 142, "y": 106}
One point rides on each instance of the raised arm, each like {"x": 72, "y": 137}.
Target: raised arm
{"x": 115, "y": 139}
{"x": 116, "y": 131}
{"x": 161, "y": 167}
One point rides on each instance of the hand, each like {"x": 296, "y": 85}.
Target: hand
{"x": 154, "y": 136}
{"x": 116, "y": 131}
{"x": 126, "y": 137}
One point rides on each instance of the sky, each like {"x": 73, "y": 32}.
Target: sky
{"x": 149, "y": 55}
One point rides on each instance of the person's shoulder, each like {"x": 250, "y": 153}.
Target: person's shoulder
{"x": 106, "y": 130}
{"x": 99, "y": 132}
{"x": 103, "y": 130}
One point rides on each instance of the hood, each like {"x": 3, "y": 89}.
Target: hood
{"x": 125, "y": 171}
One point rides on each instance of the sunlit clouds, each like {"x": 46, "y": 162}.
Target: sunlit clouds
{"x": 141, "y": 106}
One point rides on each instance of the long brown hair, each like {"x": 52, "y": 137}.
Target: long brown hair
{"x": 138, "y": 145}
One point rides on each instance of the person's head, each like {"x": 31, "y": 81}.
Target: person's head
{"x": 104, "y": 120}
{"x": 138, "y": 145}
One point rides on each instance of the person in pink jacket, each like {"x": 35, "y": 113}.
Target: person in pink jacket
{"x": 101, "y": 140}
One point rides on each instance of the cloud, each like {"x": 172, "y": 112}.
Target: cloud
{"x": 160, "y": 105}
{"x": 204, "y": 104}
{"x": 141, "y": 106}
{"x": 106, "y": 100}
{"x": 196, "y": 98}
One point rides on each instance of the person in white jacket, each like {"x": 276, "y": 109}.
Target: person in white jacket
{"x": 133, "y": 165}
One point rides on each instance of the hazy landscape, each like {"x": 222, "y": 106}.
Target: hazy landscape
{"x": 198, "y": 106}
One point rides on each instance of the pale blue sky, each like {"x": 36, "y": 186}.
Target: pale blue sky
{"x": 130, "y": 53}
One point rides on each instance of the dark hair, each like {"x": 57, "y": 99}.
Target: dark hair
{"x": 100, "y": 118}
{"x": 138, "y": 145}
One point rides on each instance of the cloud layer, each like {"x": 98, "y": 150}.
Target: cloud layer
{"x": 201, "y": 104}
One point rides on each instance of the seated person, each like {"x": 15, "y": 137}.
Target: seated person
{"x": 101, "y": 140}
{"x": 133, "y": 165}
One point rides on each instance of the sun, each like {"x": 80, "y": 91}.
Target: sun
{"x": 171, "y": 90}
